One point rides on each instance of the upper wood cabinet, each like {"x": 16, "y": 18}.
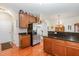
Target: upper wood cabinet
{"x": 32, "y": 19}
{"x": 25, "y": 19}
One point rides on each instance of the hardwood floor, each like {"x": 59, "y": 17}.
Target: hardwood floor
{"x": 29, "y": 51}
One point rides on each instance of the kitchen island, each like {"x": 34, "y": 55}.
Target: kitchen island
{"x": 62, "y": 43}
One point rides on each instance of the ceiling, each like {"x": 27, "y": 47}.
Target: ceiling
{"x": 49, "y": 10}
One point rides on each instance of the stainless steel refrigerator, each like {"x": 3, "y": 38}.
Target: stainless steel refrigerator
{"x": 35, "y": 37}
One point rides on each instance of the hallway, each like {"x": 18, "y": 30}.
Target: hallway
{"x": 29, "y": 51}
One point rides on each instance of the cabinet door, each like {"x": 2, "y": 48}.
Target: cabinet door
{"x": 28, "y": 41}
{"x": 48, "y": 45}
{"x": 23, "y": 21}
{"x": 32, "y": 19}
{"x": 24, "y": 41}
{"x": 71, "y": 51}
{"x": 60, "y": 50}
{"x": 53, "y": 46}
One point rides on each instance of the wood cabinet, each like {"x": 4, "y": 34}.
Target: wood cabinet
{"x": 72, "y": 51}
{"x": 32, "y": 19}
{"x": 72, "y": 44}
{"x": 59, "y": 50}
{"x": 60, "y": 42}
{"x": 61, "y": 47}
{"x": 53, "y": 45}
{"x": 72, "y": 48}
{"x": 24, "y": 41}
{"x": 47, "y": 45}
{"x": 25, "y": 19}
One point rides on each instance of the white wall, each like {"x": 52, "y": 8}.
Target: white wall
{"x": 70, "y": 21}
{"x": 16, "y": 28}
{"x": 15, "y": 35}
{"x": 67, "y": 21}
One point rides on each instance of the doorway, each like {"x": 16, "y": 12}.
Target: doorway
{"x": 6, "y": 30}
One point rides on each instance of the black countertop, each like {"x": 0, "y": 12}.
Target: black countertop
{"x": 68, "y": 36}
{"x": 32, "y": 32}
{"x": 23, "y": 33}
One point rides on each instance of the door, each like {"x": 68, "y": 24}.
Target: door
{"x": 5, "y": 27}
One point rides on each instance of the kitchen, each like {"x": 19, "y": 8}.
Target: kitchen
{"x": 56, "y": 26}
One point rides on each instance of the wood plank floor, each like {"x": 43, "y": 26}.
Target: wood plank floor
{"x": 29, "y": 51}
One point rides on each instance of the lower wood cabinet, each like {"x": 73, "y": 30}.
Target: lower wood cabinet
{"x": 53, "y": 46}
{"x": 48, "y": 45}
{"x": 59, "y": 50}
{"x": 71, "y": 51}
{"x": 61, "y": 47}
{"x": 72, "y": 48}
{"x": 24, "y": 41}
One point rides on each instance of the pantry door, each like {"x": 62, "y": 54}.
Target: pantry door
{"x": 5, "y": 27}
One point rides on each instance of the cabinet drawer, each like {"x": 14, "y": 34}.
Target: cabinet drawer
{"x": 60, "y": 42}
{"x": 72, "y": 44}
{"x": 24, "y": 36}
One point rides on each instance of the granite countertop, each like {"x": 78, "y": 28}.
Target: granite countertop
{"x": 66, "y": 39}
{"x": 67, "y": 36}
{"x": 23, "y": 33}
